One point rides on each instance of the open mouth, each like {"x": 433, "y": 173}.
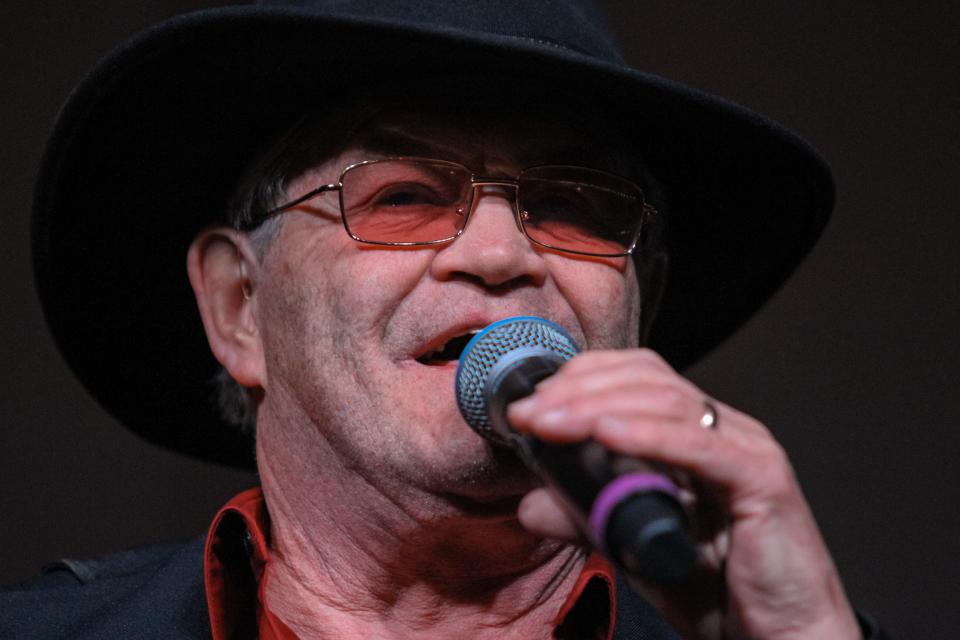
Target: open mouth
{"x": 448, "y": 352}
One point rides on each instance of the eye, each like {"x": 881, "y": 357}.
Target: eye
{"x": 557, "y": 206}
{"x": 412, "y": 195}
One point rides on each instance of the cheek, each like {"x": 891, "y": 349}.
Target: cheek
{"x": 366, "y": 286}
{"x": 605, "y": 297}
{"x": 294, "y": 309}
{"x": 299, "y": 293}
{"x": 330, "y": 298}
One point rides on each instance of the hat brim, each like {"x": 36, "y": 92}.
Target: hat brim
{"x": 149, "y": 147}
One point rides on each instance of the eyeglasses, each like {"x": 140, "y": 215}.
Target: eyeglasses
{"x": 417, "y": 201}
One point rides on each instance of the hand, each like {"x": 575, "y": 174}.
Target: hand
{"x": 763, "y": 568}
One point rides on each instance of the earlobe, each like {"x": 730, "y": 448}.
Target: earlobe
{"x": 222, "y": 271}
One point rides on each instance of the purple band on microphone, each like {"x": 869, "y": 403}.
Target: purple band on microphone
{"x": 614, "y": 493}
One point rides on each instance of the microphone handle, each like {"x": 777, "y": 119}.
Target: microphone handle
{"x": 631, "y": 513}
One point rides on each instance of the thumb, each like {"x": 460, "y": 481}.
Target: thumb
{"x": 541, "y": 513}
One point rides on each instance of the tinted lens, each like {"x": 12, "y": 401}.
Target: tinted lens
{"x": 580, "y": 210}
{"x": 405, "y": 201}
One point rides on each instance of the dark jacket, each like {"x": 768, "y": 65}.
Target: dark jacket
{"x": 154, "y": 592}
{"x": 158, "y": 592}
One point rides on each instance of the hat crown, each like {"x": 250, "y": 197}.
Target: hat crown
{"x": 577, "y": 25}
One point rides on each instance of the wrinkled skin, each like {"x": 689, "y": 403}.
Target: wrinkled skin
{"x": 390, "y": 517}
{"x": 764, "y": 569}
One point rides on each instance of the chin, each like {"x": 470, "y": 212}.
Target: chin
{"x": 497, "y": 476}
{"x": 433, "y": 450}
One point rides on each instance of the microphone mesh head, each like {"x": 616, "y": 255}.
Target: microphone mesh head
{"x": 487, "y": 348}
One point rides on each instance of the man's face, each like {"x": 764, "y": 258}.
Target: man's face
{"x": 343, "y": 324}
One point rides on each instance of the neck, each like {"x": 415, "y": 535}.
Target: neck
{"x": 350, "y": 560}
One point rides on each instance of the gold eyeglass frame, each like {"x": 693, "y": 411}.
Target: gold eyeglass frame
{"x": 645, "y": 210}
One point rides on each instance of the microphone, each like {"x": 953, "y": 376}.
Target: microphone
{"x": 630, "y": 513}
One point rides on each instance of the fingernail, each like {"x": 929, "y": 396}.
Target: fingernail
{"x": 553, "y": 417}
{"x": 523, "y": 408}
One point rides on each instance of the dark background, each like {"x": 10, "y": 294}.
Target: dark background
{"x": 853, "y": 365}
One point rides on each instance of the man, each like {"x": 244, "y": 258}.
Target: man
{"x": 338, "y": 307}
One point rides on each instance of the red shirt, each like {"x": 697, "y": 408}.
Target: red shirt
{"x": 237, "y": 566}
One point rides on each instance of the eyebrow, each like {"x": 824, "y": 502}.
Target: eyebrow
{"x": 392, "y": 140}
{"x": 389, "y": 140}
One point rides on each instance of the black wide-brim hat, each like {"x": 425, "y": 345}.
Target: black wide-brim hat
{"x": 149, "y": 147}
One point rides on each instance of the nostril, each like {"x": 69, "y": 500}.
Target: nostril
{"x": 498, "y": 283}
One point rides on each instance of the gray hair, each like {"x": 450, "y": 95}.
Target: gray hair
{"x": 262, "y": 188}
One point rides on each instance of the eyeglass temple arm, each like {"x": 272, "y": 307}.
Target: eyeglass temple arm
{"x": 303, "y": 198}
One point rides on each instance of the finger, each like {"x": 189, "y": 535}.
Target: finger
{"x": 587, "y": 361}
{"x": 738, "y": 456}
{"x": 574, "y": 418}
{"x": 541, "y": 514}
{"x": 633, "y": 371}
{"x": 605, "y": 371}
{"x": 591, "y": 371}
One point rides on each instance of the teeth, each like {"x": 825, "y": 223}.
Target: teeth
{"x": 432, "y": 355}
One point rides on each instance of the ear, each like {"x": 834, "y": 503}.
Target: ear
{"x": 653, "y": 282}
{"x": 223, "y": 271}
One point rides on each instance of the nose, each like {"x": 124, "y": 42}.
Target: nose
{"x": 491, "y": 250}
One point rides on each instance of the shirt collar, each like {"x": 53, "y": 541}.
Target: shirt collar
{"x": 237, "y": 556}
